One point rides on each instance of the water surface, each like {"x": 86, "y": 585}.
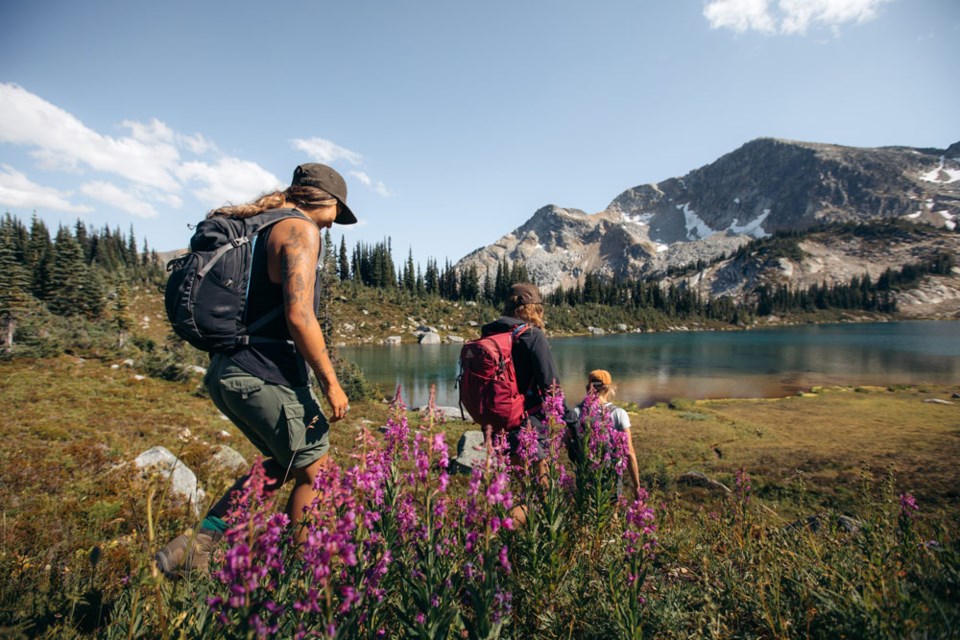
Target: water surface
{"x": 709, "y": 364}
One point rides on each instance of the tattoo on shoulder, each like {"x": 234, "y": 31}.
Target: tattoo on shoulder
{"x": 296, "y": 238}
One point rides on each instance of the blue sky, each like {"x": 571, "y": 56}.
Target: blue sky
{"x": 452, "y": 121}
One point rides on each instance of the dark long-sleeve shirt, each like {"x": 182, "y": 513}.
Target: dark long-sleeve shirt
{"x": 536, "y": 371}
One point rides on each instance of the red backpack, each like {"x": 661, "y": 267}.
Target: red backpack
{"x": 488, "y": 380}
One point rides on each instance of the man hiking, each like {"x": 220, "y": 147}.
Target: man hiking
{"x": 263, "y": 387}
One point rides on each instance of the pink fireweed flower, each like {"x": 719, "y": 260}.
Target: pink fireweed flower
{"x": 742, "y": 480}
{"x": 397, "y": 430}
{"x": 498, "y": 491}
{"x": 908, "y": 505}
{"x": 505, "y": 560}
{"x": 640, "y": 526}
{"x": 431, "y": 414}
{"x": 606, "y": 448}
{"x": 553, "y": 405}
{"x": 476, "y": 478}
{"x": 439, "y": 447}
{"x": 502, "y": 605}
{"x": 408, "y": 522}
{"x": 528, "y": 448}
{"x": 421, "y": 458}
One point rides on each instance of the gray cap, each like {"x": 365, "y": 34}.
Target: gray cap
{"x": 314, "y": 174}
{"x": 525, "y": 293}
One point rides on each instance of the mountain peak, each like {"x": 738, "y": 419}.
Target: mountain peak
{"x": 764, "y": 186}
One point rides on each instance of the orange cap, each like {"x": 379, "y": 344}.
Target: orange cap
{"x": 600, "y": 376}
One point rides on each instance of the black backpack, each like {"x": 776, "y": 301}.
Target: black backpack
{"x": 206, "y": 292}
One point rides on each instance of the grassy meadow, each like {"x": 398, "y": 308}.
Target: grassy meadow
{"x": 79, "y": 525}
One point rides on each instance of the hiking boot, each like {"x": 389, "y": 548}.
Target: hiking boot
{"x": 188, "y": 552}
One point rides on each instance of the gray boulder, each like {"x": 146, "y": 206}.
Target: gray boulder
{"x": 455, "y": 339}
{"x": 392, "y": 340}
{"x": 697, "y": 479}
{"x": 228, "y": 460}
{"x": 430, "y": 338}
{"x": 449, "y": 413}
{"x": 183, "y": 485}
{"x": 470, "y": 452}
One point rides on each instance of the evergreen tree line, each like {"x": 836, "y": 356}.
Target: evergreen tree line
{"x": 860, "y": 293}
{"x": 681, "y": 302}
{"x": 372, "y": 265}
{"x": 79, "y": 270}
{"x": 73, "y": 273}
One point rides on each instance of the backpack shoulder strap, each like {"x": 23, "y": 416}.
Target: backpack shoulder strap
{"x": 519, "y": 329}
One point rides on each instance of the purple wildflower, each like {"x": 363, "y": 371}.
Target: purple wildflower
{"x": 742, "y": 480}
{"x": 504, "y": 560}
{"x": 640, "y": 528}
{"x": 398, "y": 431}
{"x": 498, "y": 491}
{"x": 502, "y": 605}
{"x": 908, "y": 505}
{"x": 528, "y": 448}
{"x": 553, "y": 405}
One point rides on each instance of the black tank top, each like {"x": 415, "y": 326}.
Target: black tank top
{"x": 275, "y": 362}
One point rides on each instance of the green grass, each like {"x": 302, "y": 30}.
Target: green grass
{"x": 74, "y": 522}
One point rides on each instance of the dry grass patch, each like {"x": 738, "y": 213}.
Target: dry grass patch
{"x": 830, "y": 438}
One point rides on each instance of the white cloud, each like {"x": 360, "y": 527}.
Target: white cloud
{"x": 64, "y": 141}
{"x": 140, "y": 170}
{"x": 228, "y": 180}
{"x": 739, "y": 15}
{"x": 801, "y": 14}
{"x": 16, "y": 191}
{"x": 789, "y": 16}
{"x": 325, "y": 151}
{"x": 380, "y": 188}
{"x": 111, "y": 194}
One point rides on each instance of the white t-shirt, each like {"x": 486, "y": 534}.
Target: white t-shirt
{"x": 621, "y": 420}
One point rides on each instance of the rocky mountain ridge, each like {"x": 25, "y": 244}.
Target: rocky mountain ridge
{"x": 765, "y": 186}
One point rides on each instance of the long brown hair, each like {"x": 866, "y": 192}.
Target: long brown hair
{"x": 530, "y": 313}
{"x": 296, "y": 195}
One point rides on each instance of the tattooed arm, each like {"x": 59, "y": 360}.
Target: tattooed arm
{"x": 292, "y": 251}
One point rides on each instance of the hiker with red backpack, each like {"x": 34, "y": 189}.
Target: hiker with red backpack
{"x": 248, "y": 293}
{"x": 508, "y": 373}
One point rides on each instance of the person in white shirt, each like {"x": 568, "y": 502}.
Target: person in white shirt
{"x": 600, "y": 382}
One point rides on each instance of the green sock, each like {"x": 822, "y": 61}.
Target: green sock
{"x": 214, "y": 523}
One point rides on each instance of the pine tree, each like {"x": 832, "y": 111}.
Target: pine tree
{"x": 344, "y": 262}
{"x": 68, "y": 276}
{"x": 409, "y": 277}
{"x": 15, "y": 298}
{"x": 39, "y": 258}
{"x": 327, "y": 272}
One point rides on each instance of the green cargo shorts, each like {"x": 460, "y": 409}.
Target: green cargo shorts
{"x": 284, "y": 423}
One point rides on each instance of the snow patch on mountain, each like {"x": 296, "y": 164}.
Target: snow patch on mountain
{"x": 696, "y": 228}
{"x": 753, "y": 228}
{"x": 949, "y": 220}
{"x": 942, "y": 173}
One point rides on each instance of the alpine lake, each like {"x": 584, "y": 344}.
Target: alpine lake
{"x": 653, "y": 367}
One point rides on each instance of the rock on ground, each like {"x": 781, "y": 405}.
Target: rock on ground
{"x": 183, "y": 482}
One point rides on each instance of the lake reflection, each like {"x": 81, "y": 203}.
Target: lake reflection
{"x": 745, "y": 364}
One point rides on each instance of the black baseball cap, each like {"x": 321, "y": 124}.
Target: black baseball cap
{"x": 314, "y": 174}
